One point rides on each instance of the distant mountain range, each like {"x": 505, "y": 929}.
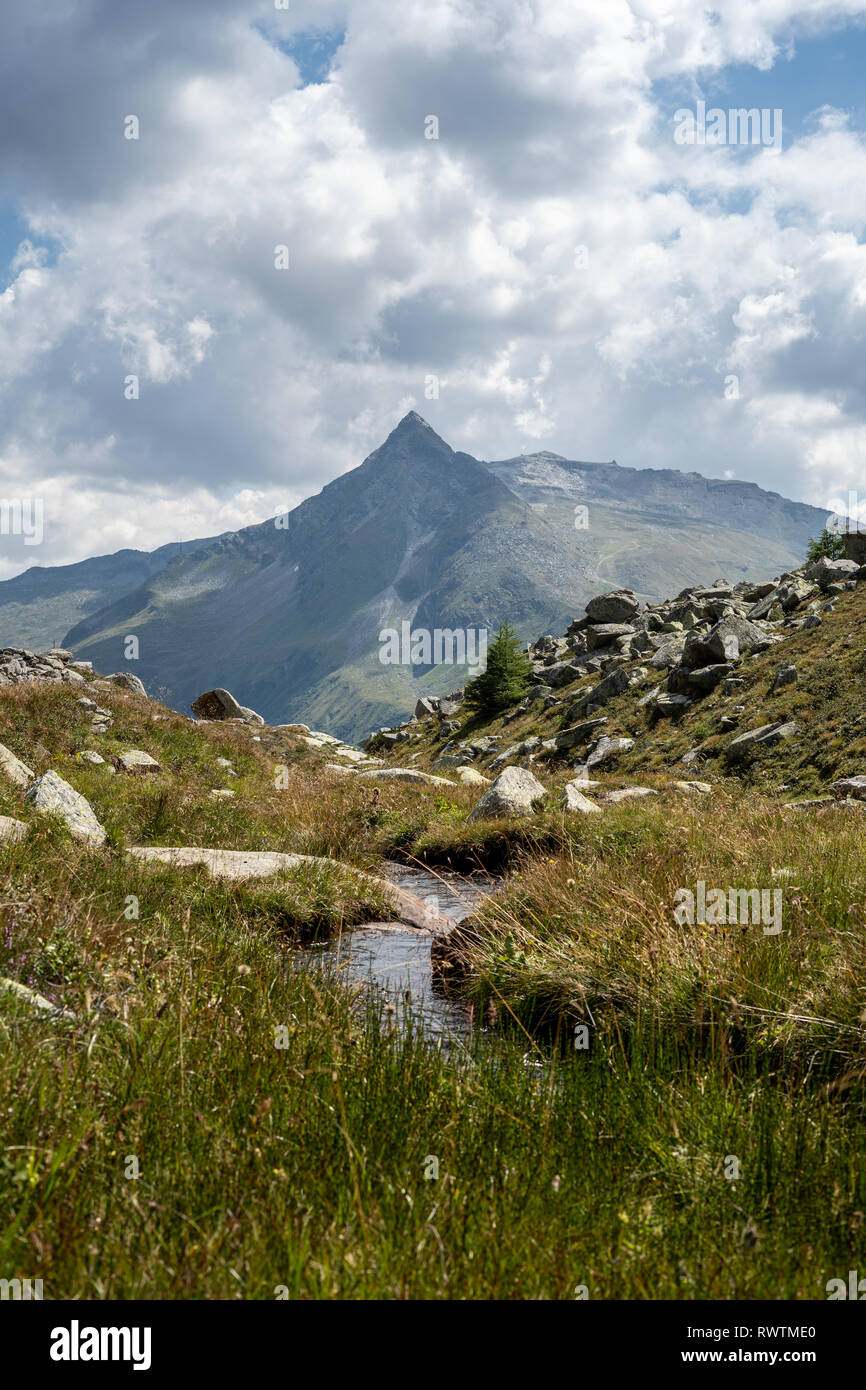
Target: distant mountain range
{"x": 287, "y": 614}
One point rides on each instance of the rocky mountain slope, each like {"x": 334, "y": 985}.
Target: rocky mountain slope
{"x": 288, "y": 613}
{"x": 756, "y": 683}
{"x": 658, "y": 530}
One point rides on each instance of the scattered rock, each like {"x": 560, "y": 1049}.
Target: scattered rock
{"x": 671, "y": 704}
{"x": 573, "y": 799}
{"x": 612, "y": 684}
{"x": 135, "y": 761}
{"x": 627, "y": 794}
{"x": 127, "y": 681}
{"x": 18, "y": 666}
{"x": 512, "y": 794}
{"x": 89, "y": 756}
{"x": 562, "y": 673}
{"x": 13, "y": 831}
{"x": 605, "y": 634}
{"x": 606, "y": 749}
{"x": 32, "y": 999}
{"x": 786, "y": 675}
{"x": 853, "y": 787}
{"x": 616, "y": 607}
{"x": 766, "y": 735}
{"x": 14, "y": 769}
{"x": 727, "y": 641}
{"x": 471, "y": 777}
{"x": 221, "y": 704}
{"x": 706, "y": 678}
{"x": 825, "y": 571}
{"x": 51, "y": 794}
{"x": 404, "y": 774}
{"x": 578, "y": 733}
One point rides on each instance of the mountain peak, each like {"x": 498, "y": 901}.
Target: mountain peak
{"x": 413, "y": 423}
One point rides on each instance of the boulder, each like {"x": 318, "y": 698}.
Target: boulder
{"x": 471, "y": 777}
{"x": 89, "y": 756}
{"x": 728, "y": 640}
{"x": 13, "y": 768}
{"x": 404, "y": 774}
{"x": 705, "y": 678}
{"x": 612, "y": 684}
{"x": 12, "y": 831}
{"x": 825, "y": 571}
{"x": 29, "y": 996}
{"x": 765, "y": 735}
{"x": 135, "y": 761}
{"x": 127, "y": 681}
{"x": 627, "y": 794}
{"x": 51, "y": 794}
{"x": 221, "y": 704}
{"x": 694, "y": 788}
{"x": 671, "y": 704}
{"x": 605, "y": 634}
{"x": 618, "y": 606}
{"x": 562, "y": 673}
{"x": 669, "y": 652}
{"x": 786, "y": 675}
{"x": 450, "y": 760}
{"x": 578, "y": 733}
{"x": 512, "y": 794}
{"x": 238, "y": 864}
{"x": 753, "y": 593}
{"x": 849, "y": 787}
{"x": 573, "y": 799}
{"x": 605, "y": 749}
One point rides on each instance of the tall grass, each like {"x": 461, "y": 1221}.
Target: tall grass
{"x": 706, "y": 1144}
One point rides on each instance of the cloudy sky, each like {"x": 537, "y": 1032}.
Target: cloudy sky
{"x": 574, "y": 272}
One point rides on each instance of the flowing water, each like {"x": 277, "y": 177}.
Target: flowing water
{"x": 394, "y": 962}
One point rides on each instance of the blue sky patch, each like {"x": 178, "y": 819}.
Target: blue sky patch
{"x": 14, "y": 230}
{"x": 825, "y": 71}
{"x": 312, "y": 51}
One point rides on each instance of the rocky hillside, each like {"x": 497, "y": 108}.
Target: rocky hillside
{"x": 756, "y": 683}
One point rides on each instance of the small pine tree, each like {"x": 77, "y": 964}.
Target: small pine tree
{"x": 506, "y": 678}
{"x": 829, "y": 543}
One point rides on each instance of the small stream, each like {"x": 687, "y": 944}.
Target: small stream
{"x": 394, "y": 962}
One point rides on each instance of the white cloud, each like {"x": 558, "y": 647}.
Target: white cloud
{"x": 408, "y": 256}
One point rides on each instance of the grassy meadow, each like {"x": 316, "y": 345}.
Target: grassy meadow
{"x": 209, "y": 1121}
